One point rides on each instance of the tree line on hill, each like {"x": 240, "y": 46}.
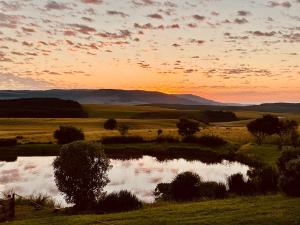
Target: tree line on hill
{"x": 41, "y": 108}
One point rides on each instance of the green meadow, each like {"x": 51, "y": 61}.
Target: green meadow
{"x": 36, "y": 135}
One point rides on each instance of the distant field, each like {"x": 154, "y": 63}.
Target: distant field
{"x": 41, "y": 130}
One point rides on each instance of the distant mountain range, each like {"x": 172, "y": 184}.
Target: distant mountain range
{"x": 112, "y": 96}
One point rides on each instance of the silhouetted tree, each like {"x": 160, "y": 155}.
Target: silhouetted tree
{"x": 68, "y": 134}
{"x": 80, "y": 172}
{"x": 123, "y": 129}
{"x": 262, "y": 127}
{"x": 187, "y": 127}
{"x": 110, "y": 124}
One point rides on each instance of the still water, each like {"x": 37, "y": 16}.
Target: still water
{"x": 28, "y": 175}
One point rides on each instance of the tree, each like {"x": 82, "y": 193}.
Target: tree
{"x": 80, "y": 172}
{"x": 123, "y": 129}
{"x": 262, "y": 127}
{"x": 68, "y": 134}
{"x": 286, "y": 129}
{"x": 110, "y": 124}
{"x": 187, "y": 127}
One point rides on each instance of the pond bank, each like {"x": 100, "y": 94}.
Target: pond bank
{"x": 128, "y": 151}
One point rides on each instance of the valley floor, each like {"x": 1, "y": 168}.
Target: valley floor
{"x": 272, "y": 209}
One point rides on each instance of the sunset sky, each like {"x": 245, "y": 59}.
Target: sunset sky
{"x": 227, "y": 50}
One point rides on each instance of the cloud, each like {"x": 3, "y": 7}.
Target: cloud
{"x": 244, "y": 13}
{"x": 116, "y": 13}
{"x": 92, "y": 1}
{"x": 262, "y": 34}
{"x": 285, "y": 4}
{"x": 83, "y": 28}
{"x": 155, "y": 16}
{"x": 198, "y": 17}
{"x": 12, "y": 81}
{"x": 53, "y": 5}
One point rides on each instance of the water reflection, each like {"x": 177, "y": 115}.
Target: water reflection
{"x": 29, "y": 175}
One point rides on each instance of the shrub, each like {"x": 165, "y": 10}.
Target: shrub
{"x": 212, "y": 190}
{"x": 8, "y": 142}
{"x": 122, "y": 140}
{"x": 289, "y": 169}
{"x": 187, "y": 127}
{"x": 167, "y": 139}
{"x": 206, "y": 140}
{"x": 110, "y": 124}
{"x": 162, "y": 191}
{"x": 263, "y": 179}
{"x": 123, "y": 129}
{"x": 237, "y": 184}
{"x": 80, "y": 172}
{"x": 185, "y": 186}
{"x": 67, "y": 134}
{"x": 159, "y": 132}
{"x": 119, "y": 201}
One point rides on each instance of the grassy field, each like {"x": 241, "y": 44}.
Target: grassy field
{"x": 276, "y": 209}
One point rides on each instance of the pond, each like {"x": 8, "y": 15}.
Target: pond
{"x": 28, "y": 175}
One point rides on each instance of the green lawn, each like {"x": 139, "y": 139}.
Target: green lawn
{"x": 248, "y": 210}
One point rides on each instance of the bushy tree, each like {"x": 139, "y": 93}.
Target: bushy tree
{"x": 80, "y": 172}
{"x": 289, "y": 169}
{"x": 110, "y": 124}
{"x": 123, "y": 129}
{"x": 187, "y": 127}
{"x": 185, "y": 186}
{"x": 68, "y": 134}
{"x": 262, "y": 127}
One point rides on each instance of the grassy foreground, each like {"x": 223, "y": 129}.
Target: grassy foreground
{"x": 249, "y": 210}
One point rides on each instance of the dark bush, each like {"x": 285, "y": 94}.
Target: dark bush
{"x": 187, "y": 127}
{"x": 219, "y": 116}
{"x": 289, "y": 169}
{"x": 206, "y": 140}
{"x": 122, "y": 140}
{"x": 8, "y": 142}
{"x": 185, "y": 186}
{"x": 237, "y": 184}
{"x": 118, "y": 202}
{"x": 263, "y": 179}
{"x": 167, "y": 139}
{"x": 110, "y": 124}
{"x": 123, "y": 129}
{"x": 212, "y": 190}
{"x": 66, "y": 135}
{"x": 162, "y": 191}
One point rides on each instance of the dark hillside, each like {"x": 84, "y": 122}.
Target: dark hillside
{"x": 41, "y": 108}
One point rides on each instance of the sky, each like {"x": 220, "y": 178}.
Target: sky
{"x": 244, "y": 51}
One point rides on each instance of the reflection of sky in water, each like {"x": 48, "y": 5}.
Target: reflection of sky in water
{"x": 30, "y": 175}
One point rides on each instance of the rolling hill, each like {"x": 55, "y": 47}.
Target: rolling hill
{"x": 110, "y": 96}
